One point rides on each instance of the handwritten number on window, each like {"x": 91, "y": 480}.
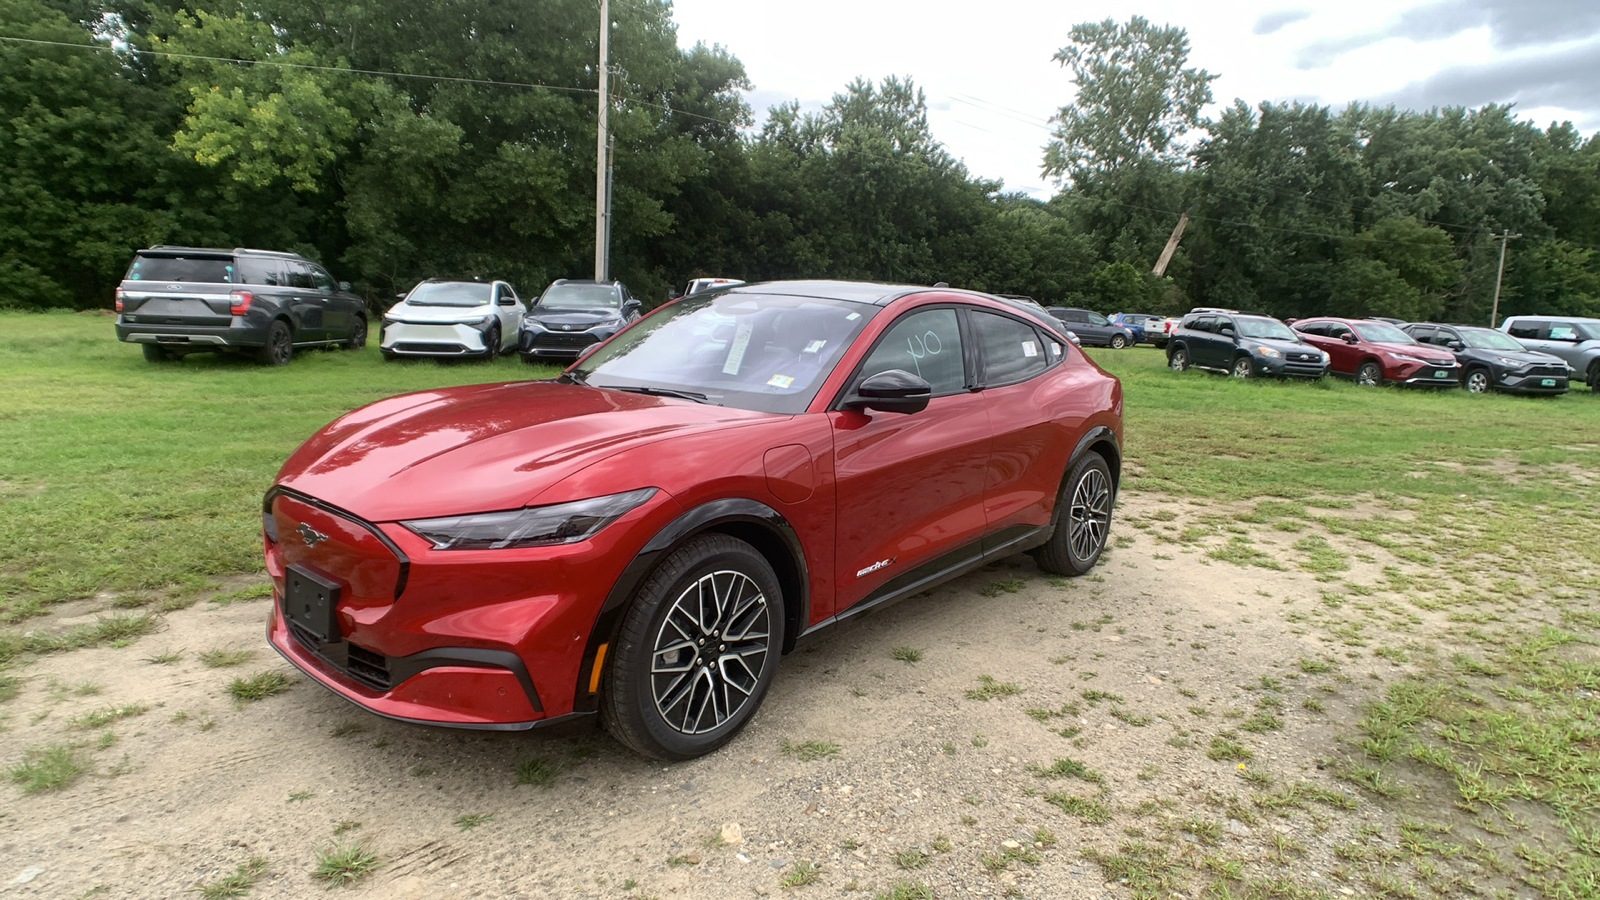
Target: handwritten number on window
{"x": 921, "y": 345}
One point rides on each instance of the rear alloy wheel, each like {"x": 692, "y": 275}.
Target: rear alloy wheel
{"x": 156, "y": 353}
{"x": 697, "y": 650}
{"x": 358, "y": 334}
{"x": 1369, "y": 373}
{"x": 1243, "y": 367}
{"x": 1083, "y": 519}
{"x": 491, "y": 342}
{"x": 1118, "y": 342}
{"x": 279, "y": 348}
{"x": 1178, "y": 359}
{"x": 1477, "y": 381}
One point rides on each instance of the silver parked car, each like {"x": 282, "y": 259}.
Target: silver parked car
{"x": 452, "y": 318}
{"x": 1574, "y": 339}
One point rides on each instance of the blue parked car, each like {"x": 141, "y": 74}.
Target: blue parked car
{"x": 1137, "y": 322}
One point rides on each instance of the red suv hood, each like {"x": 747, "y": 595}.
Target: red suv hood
{"x": 481, "y": 447}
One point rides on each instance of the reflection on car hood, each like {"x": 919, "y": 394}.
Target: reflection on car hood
{"x": 585, "y": 317}
{"x": 496, "y": 446}
{"x": 409, "y": 313}
{"x": 1284, "y": 344}
{"x": 1532, "y": 357}
{"x": 1420, "y": 351}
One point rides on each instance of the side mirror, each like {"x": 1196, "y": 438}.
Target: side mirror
{"x": 507, "y": 300}
{"x": 1227, "y": 330}
{"x": 631, "y": 307}
{"x": 1348, "y": 337}
{"x": 344, "y": 286}
{"x": 1455, "y": 345}
{"x": 895, "y": 390}
{"x": 399, "y": 296}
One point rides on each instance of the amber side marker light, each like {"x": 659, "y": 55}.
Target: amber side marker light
{"x": 594, "y": 674}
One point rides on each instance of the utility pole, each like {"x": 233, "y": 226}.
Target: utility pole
{"x": 1505, "y": 238}
{"x": 602, "y": 193}
{"x": 1172, "y": 245}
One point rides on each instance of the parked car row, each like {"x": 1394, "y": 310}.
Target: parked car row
{"x": 1529, "y": 355}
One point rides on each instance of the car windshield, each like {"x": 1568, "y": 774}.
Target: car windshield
{"x": 1265, "y": 329}
{"x": 1381, "y": 332}
{"x": 580, "y": 296}
{"x": 191, "y": 269}
{"x": 750, "y": 351}
{"x": 1488, "y": 339}
{"x": 450, "y": 293}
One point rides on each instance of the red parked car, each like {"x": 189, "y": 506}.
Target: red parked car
{"x": 1375, "y": 353}
{"x": 641, "y": 538}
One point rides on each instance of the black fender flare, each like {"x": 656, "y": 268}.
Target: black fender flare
{"x": 1097, "y": 435}
{"x": 750, "y": 520}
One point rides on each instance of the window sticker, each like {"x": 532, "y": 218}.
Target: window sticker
{"x": 814, "y": 346}
{"x": 1055, "y": 349}
{"x": 741, "y": 340}
{"x": 852, "y": 317}
{"x": 780, "y": 381}
{"x": 1030, "y": 349}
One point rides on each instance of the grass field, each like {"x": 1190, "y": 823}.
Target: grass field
{"x": 128, "y": 489}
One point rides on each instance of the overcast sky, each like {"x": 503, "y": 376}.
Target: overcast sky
{"x": 992, "y": 86}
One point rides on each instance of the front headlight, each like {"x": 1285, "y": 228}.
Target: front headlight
{"x": 531, "y": 526}
{"x": 1409, "y": 358}
{"x": 602, "y": 326}
{"x": 1508, "y": 361}
{"x": 1326, "y": 358}
{"x": 531, "y": 325}
{"x": 1270, "y": 352}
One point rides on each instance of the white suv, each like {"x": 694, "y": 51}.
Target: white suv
{"x": 452, "y": 318}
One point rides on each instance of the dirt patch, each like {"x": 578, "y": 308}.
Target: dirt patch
{"x": 1129, "y": 675}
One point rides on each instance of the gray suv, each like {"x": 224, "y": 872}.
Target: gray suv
{"x": 180, "y": 300}
{"x": 1574, "y": 339}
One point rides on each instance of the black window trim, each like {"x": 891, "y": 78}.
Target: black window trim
{"x": 967, "y": 371}
{"x": 976, "y": 372}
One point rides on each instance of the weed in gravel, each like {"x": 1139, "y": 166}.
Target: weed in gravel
{"x": 469, "y": 821}
{"x": 1297, "y": 794}
{"x": 906, "y": 654}
{"x": 165, "y": 657}
{"x": 1135, "y": 720}
{"x": 117, "y": 630}
{"x": 1095, "y": 697}
{"x": 988, "y": 688}
{"x": 106, "y": 715}
{"x": 345, "y": 864}
{"x": 299, "y": 796}
{"x": 1261, "y": 722}
{"x": 905, "y": 890}
{"x": 1095, "y": 812}
{"x": 1224, "y": 747}
{"x": 1260, "y": 778}
{"x": 106, "y": 739}
{"x": 1315, "y": 666}
{"x": 536, "y": 770}
{"x": 912, "y": 858}
{"x": 1067, "y": 767}
{"x": 254, "y": 592}
{"x": 1205, "y": 831}
{"x": 88, "y": 688}
{"x": 941, "y": 844}
{"x": 801, "y": 874}
{"x": 808, "y": 751}
{"x": 236, "y": 885}
{"x": 1144, "y": 868}
{"x": 259, "y": 686}
{"x": 1005, "y": 586}
{"x": 49, "y": 768}
{"x": 980, "y": 740}
{"x": 345, "y": 825}
{"x": 221, "y": 659}
{"x": 1311, "y": 704}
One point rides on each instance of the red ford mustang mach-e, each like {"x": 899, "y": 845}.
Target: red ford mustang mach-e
{"x": 642, "y": 537}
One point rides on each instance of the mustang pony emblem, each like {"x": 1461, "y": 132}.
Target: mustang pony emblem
{"x": 311, "y": 535}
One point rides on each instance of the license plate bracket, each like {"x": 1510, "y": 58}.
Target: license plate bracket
{"x": 1441, "y": 373}
{"x": 1547, "y": 382}
{"x": 311, "y": 600}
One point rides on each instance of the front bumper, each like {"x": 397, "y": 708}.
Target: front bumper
{"x": 443, "y": 339}
{"x": 491, "y": 639}
{"x": 1532, "y": 381}
{"x": 559, "y": 344}
{"x": 1282, "y": 367}
{"x": 1426, "y": 375}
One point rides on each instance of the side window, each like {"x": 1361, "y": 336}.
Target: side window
{"x": 1338, "y": 330}
{"x": 1527, "y": 330}
{"x": 1097, "y": 319}
{"x": 1425, "y": 335}
{"x": 1012, "y": 350}
{"x": 261, "y": 270}
{"x": 507, "y": 297}
{"x": 1226, "y": 324}
{"x": 926, "y": 344}
{"x": 299, "y": 275}
{"x": 1316, "y": 329}
{"x": 1204, "y": 323}
{"x": 321, "y": 280}
{"x": 1563, "y": 331}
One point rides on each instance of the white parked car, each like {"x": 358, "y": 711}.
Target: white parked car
{"x": 452, "y": 318}
{"x": 705, "y": 284}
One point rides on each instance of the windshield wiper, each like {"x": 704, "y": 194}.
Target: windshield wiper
{"x": 659, "y": 392}
{"x": 573, "y": 378}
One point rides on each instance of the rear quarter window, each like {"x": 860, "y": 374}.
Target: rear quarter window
{"x": 182, "y": 269}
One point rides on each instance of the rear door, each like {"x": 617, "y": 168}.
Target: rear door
{"x": 910, "y": 487}
{"x": 337, "y": 310}
{"x": 185, "y": 288}
{"x": 1027, "y": 412}
{"x": 307, "y": 308}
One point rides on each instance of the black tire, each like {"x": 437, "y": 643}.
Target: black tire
{"x": 156, "y": 353}
{"x": 1178, "y": 359}
{"x": 1477, "y": 380}
{"x": 666, "y": 681}
{"x": 1243, "y": 367}
{"x": 491, "y": 341}
{"x": 358, "y": 334}
{"x": 1369, "y": 373}
{"x": 279, "y": 348}
{"x": 1083, "y": 519}
{"x": 1594, "y": 376}
{"x": 1118, "y": 342}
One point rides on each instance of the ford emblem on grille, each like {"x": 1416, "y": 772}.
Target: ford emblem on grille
{"x": 311, "y": 535}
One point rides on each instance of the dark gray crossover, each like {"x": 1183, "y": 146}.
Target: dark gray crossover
{"x": 180, "y": 300}
{"x": 1243, "y": 346}
{"x": 573, "y": 315}
{"x": 1093, "y": 329}
{"x": 1493, "y": 360}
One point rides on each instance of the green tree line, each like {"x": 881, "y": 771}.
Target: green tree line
{"x": 453, "y": 138}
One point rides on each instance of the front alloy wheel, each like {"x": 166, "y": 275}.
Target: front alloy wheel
{"x": 1477, "y": 381}
{"x": 1083, "y": 519}
{"x": 697, "y": 650}
{"x": 1369, "y": 373}
{"x": 358, "y": 334}
{"x": 1243, "y": 367}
